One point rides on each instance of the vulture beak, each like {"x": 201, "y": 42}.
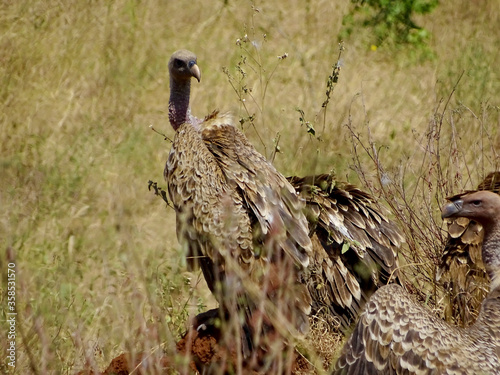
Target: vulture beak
{"x": 195, "y": 70}
{"x": 452, "y": 208}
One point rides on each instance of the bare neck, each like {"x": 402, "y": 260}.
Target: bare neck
{"x": 491, "y": 253}
{"x": 178, "y": 106}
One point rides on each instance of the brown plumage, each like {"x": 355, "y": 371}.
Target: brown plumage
{"x": 237, "y": 214}
{"x": 354, "y": 246}
{"x": 461, "y": 269}
{"x": 239, "y": 218}
{"x": 396, "y": 335}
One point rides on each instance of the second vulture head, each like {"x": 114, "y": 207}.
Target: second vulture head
{"x": 482, "y": 206}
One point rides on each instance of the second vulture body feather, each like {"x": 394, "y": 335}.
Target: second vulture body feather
{"x": 246, "y": 225}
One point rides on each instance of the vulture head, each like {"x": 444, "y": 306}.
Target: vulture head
{"x": 182, "y": 66}
{"x": 481, "y": 206}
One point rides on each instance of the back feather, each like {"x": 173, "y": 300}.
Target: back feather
{"x": 355, "y": 246}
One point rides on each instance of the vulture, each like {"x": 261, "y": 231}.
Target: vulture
{"x": 284, "y": 247}
{"x": 396, "y": 335}
{"x": 461, "y": 270}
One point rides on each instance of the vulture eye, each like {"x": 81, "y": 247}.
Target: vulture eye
{"x": 178, "y": 63}
{"x": 476, "y": 203}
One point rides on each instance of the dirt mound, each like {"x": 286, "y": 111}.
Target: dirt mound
{"x": 197, "y": 352}
{"x": 140, "y": 364}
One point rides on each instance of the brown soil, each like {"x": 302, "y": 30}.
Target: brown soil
{"x": 204, "y": 353}
{"x": 126, "y": 363}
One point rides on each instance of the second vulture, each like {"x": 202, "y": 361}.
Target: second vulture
{"x": 254, "y": 232}
{"x": 461, "y": 270}
{"x": 396, "y": 335}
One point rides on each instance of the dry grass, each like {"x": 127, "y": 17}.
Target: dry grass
{"x": 99, "y": 268}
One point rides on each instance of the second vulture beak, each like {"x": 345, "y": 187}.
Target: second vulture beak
{"x": 451, "y": 208}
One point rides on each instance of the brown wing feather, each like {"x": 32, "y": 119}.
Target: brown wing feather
{"x": 239, "y": 218}
{"x": 232, "y": 209}
{"x": 203, "y": 202}
{"x": 261, "y": 186}
{"x": 356, "y": 247}
{"x": 396, "y": 335}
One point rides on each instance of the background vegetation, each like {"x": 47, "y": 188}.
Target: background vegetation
{"x": 99, "y": 270}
